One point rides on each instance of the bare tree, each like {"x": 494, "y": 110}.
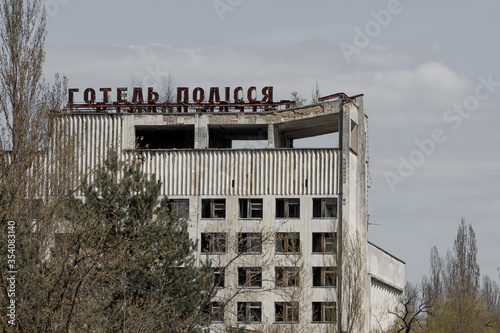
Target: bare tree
{"x": 353, "y": 284}
{"x": 299, "y": 100}
{"x": 316, "y": 94}
{"x": 413, "y": 305}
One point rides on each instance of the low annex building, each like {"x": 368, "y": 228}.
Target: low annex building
{"x": 285, "y": 228}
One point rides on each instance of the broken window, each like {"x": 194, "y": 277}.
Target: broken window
{"x": 219, "y": 277}
{"x": 287, "y": 276}
{"x": 325, "y": 242}
{"x": 249, "y": 242}
{"x": 250, "y": 208}
{"x": 180, "y": 207}
{"x": 215, "y": 311}
{"x": 250, "y": 277}
{"x": 287, "y": 242}
{"x": 249, "y": 312}
{"x": 286, "y": 312}
{"x": 213, "y": 208}
{"x": 324, "y": 312}
{"x": 324, "y": 276}
{"x": 287, "y": 208}
{"x": 324, "y": 207}
{"x": 213, "y": 242}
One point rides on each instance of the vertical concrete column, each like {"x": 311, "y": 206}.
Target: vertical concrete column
{"x": 274, "y": 137}
{"x": 201, "y": 137}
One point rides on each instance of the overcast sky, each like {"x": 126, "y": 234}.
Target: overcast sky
{"x": 429, "y": 71}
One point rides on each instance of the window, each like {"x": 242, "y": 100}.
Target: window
{"x": 250, "y": 208}
{"x": 287, "y": 242}
{"x": 324, "y": 207}
{"x": 250, "y": 277}
{"x": 215, "y": 311}
{"x": 287, "y": 276}
{"x": 324, "y": 277}
{"x": 324, "y": 312}
{"x": 249, "y": 243}
{"x": 325, "y": 242}
{"x": 213, "y": 208}
{"x": 286, "y": 312}
{"x": 219, "y": 277}
{"x": 180, "y": 207}
{"x": 287, "y": 208}
{"x": 213, "y": 242}
{"x": 249, "y": 312}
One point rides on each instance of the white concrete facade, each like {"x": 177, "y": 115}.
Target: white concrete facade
{"x": 323, "y": 191}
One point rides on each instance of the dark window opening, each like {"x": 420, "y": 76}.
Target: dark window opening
{"x": 165, "y": 137}
{"x": 215, "y": 311}
{"x": 219, "y": 277}
{"x": 287, "y": 208}
{"x": 249, "y": 312}
{"x": 324, "y": 277}
{"x": 325, "y": 242}
{"x": 324, "y": 312}
{"x": 287, "y": 242}
{"x": 286, "y": 312}
{"x": 250, "y": 277}
{"x": 213, "y": 242}
{"x": 249, "y": 243}
{"x": 324, "y": 207}
{"x": 213, "y": 208}
{"x": 231, "y": 136}
{"x": 180, "y": 207}
{"x": 287, "y": 276}
{"x": 251, "y": 208}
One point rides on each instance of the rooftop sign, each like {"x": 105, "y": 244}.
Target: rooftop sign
{"x": 211, "y": 100}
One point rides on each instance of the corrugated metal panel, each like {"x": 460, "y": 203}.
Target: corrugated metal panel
{"x": 93, "y": 137}
{"x": 243, "y": 172}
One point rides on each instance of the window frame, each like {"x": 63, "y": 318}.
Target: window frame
{"x": 283, "y": 210}
{"x": 182, "y": 211}
{"x": 215, "y": 310}
{"x": 285, "y": 243}
{"x": 255, "y": 240}
{"x": 287, "y": 276}
{"x": 327, "y": 239}
{"x": 216, "y": 242}
{"x": 246, "y": 311}
{"x": 327, "y": 276}
{"x": 219, "y": 277}
{"x": 323, "y": 208}
{"x": 209, "y": 208}
{"x": 326, "y": 309}
{"x": 289, "y": 314}
{"x": 250, "y": 205}
{"x": 250, "y": 277}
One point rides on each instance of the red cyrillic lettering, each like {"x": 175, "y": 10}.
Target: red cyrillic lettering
{"x": 70, "y": 95}
{"x": 105, "y": 95}
{"x": 267, "y": 94}
{"x": 249, "y": 94}
{"x": 198, "y": 91}
{"x": 121, "y": 95}
{"x": 214, "y": 95}
{"x": 89, "y": 99}
{"x": 153, "y": 96}
{"x": 182, "y": 97}
{"x": 137, "y": 96}
{"x": 237, "y": 98}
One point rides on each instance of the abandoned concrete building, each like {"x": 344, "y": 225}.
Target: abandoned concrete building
{"x": 284, "y": 227}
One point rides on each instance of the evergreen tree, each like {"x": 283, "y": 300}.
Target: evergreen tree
{"x": 145, "y": 274}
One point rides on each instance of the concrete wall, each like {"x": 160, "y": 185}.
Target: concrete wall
{"x": 387, "y": 280}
